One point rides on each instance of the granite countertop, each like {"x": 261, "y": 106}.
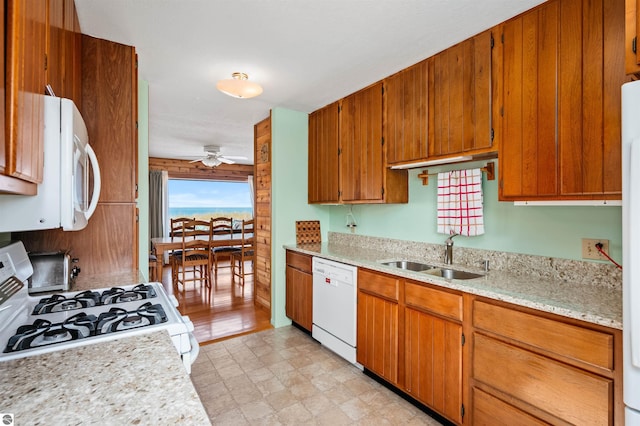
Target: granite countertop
{"x": 133, "y": 380}
{"x": 586, "y": 301}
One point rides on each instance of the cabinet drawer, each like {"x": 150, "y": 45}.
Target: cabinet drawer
{"x": 378, "y": 284}
{"x": 488, "y": 410}
{"x": 436, "y": 301}
{"x": 299, "y": 261}
{"x": 577, "y": 343}
{"x": 565, "y": 392}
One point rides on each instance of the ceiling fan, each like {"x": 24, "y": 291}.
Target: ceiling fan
{"x": 214, "y": 157}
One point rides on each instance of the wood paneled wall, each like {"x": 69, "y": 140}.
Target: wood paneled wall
{"x": 184, "y": 169}
{"x": 262, "y": 265}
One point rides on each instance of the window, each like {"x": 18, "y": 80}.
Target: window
{"x": 204, "y": 199}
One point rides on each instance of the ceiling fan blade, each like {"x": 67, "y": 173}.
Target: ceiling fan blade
{"x": 198, "y": 159}
{"x": 236, "y": 157}
{"x": 226, "y": 160}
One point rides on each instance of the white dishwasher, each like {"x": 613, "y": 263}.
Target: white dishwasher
{"x": 334, "y": 306}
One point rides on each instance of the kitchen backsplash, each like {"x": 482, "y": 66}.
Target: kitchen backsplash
{"x": 594, "y": 273}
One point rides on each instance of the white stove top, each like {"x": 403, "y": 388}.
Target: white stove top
{"x": 32, "y": 325}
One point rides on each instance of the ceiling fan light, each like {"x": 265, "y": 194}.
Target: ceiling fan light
{"x": 239, "y": 86}
{"x": 211, "y": 162}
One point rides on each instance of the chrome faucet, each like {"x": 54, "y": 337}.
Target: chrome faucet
{"x": 448, "y": 249}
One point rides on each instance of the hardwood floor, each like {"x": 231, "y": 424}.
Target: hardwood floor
{"x": 220, "y": 313}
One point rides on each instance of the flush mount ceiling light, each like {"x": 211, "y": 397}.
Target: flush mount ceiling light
{"x": 239, "y": 86}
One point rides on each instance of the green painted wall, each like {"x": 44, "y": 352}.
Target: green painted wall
{"x": 143, "y": 177}
{"x": 288, "y": 198}
{"x": 554, "y": 231}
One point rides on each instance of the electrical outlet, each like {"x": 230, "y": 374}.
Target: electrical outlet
{"x": 589, "y": 250}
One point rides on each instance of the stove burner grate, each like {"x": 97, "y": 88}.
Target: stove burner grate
{"x": 88, "y": 299}
{"x": 118, "y": 319}
{"x": 43, "y": 332}
{"x": 80, "y": 326}
{"x": 59, "y": 302}
{"x": 119, "y": 295}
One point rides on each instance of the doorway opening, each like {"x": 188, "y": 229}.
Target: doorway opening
{"x": 227, "y": 309}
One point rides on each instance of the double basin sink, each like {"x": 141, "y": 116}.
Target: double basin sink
{"x": 432, "y": 270}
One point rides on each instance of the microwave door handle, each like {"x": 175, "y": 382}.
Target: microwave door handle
{"x": 96, "y": 181}
{"x": 633, "y": 202}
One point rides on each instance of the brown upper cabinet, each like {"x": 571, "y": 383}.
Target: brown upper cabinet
{"x": 563, "y": 65}
{"x": 363, "y": 175}
{"x": 632, "y": 24}
{"x": 346, "y": 153}
{"x": 461, "y": 98}
{"x": 444, "y": 106}
{"x": 110, "y": 74}
{"x": 63, "y": 54}
{"x": 41, "y": 37}
{"x": 323, "y": 155}
{"x": 22, "y": 157}
{"x": 406, "y": 119}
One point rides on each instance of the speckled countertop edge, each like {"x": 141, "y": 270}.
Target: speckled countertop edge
{"x": 600, "y": 305}
{"x": 133, "y": 380}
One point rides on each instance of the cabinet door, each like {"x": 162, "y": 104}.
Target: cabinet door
{"x": 433, "y": 348}
{"x": 563, "y": 68}
{"x": 377, "y": 339}
{"x": 461, "y": 98}
{"x": 23, "y": 153}
{"x": 55, "y": 46}
{"x": 323, "y": 155}
{"x": 76, "y": 66}
{"x": 631, "y": 51}
{"x": 406, "y": 114}
{"x": 62, "y": 50}
{"x": 590, "y": 73}
{"x": 299, "y": 298}
{"x": 528, "y": 155}
{"x": 110, "y": 113}
{"x": 361, "y": 156}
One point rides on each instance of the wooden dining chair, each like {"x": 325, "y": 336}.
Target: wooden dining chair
{"x": 175, "y": 231}
{"x": 193, "y": 263}
{"x": 222, "y": 227}
{"x": 246, "y": 253}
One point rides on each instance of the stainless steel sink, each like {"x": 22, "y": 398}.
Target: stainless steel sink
{"x": 453, "y": 274}
{"x": 408, "y": 265}
{"x": 448, "y": 273}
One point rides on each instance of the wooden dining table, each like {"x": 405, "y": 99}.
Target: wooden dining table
{"x": 160, "y": 245}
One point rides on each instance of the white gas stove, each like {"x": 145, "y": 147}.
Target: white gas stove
{"x": 37, "y": 325}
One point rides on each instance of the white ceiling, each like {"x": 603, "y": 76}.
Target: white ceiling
{"x": 305, "y": 54}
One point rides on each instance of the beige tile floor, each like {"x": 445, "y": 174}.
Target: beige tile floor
{"x": 283, "y": 377}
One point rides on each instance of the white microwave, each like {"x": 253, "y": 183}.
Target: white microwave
{"x": 63, "y": 199}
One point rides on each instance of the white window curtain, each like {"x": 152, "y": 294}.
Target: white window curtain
{"x": 165, "y": 203}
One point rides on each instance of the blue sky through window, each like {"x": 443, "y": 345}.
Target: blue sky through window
{"x": 203, "y": 193}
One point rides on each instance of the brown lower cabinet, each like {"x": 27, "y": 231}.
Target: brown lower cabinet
{"x": 378, "y": 324}
{"x": 433, "y": 348}
{"x": 543, "y": 369}
{"x": 299, "y": 289}
{"x": 479, "y": 361}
